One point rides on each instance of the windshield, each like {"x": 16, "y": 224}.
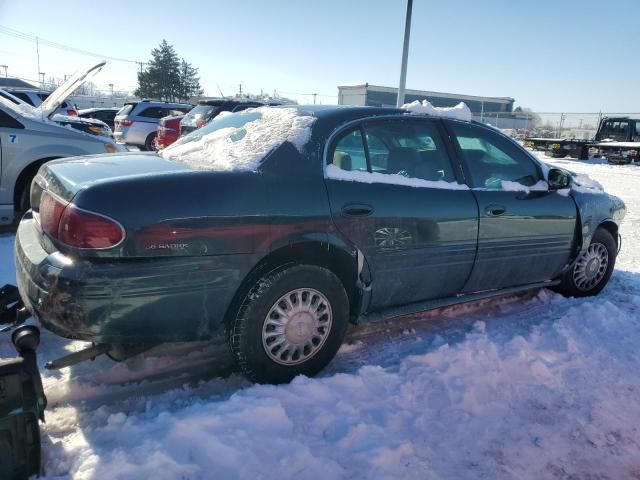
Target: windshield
{"x": 240, "y": 141}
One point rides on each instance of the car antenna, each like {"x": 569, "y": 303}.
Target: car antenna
{"x": 220, "y": 90}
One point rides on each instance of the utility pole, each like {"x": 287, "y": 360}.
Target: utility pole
{"x": 6, "y": 80}
{"x": 314, "y": 97}
{"x": 42, "y": 81}
{"x": 111, "y": 87}
{"x": 405, "y": 54}
{"x": 240, "y": 94}
{"x": 38, "y": 54}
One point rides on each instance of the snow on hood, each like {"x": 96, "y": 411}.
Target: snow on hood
{"x": 459, "y": 112}
{"x": 61, "y": 93}
{"x": 241, "y": 141}
{"x": 585, "y": 184}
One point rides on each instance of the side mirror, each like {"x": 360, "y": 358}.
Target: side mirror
{"x": 558, "y": 179}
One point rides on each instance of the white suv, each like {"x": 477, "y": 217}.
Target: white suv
{"x": 137, "y": 122}
{"x": 35, "y": 97}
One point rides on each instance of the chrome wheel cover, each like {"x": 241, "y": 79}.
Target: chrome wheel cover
{"x": 591, "y": 267}
{"x": 297, "y": 326}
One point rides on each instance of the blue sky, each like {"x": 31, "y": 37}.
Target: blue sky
{"x": 563, "y": 55}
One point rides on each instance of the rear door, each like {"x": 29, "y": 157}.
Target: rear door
{"x": 394, "y": 194}
{"x": 525, "y": 235}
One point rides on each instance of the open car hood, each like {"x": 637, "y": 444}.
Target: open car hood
{"x": 60, "y": 94}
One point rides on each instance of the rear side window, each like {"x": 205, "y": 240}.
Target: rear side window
{"x": 152, "y": 112}
{"x": 349, "y": 153}
{"x": 492, "y": 159}
{"x": 412, "y": 149}
{"x": 126, "y": 109}
{"x": 24, "y": 97}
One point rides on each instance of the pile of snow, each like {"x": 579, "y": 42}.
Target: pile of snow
{"x": 390, "y": 178}
{"x": 245, "y": 147}
{"x": 459, "y": 112}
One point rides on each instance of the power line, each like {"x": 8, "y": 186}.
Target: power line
{"x": 39, "y": 40}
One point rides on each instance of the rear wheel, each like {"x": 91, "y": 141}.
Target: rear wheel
{"x": 592, "y": 270}
{"x": 150, "y": 143}
{"x": 291, "y": 322}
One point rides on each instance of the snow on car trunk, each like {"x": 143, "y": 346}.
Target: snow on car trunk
{"x": 241, "y": 141}
{"x": 539, "y": 386}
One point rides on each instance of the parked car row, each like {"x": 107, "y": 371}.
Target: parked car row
{"x": 152, "y": 125}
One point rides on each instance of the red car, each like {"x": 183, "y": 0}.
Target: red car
{"x": 168, "y": 131}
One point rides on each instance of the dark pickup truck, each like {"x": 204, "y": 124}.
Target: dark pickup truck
{"x": 617, "y": 139}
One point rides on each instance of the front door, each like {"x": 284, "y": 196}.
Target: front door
{"x": 394, "y": 195}
{"x": 525, "y": 231}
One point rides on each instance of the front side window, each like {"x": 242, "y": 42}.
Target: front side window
{"x": 492, "y": 159}
{"x": 636, "y": 135}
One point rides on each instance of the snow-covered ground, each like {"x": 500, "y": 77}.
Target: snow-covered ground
{"x": 531, "y": 386}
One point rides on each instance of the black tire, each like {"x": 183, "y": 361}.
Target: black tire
{"x": 571, "y": 287}
{"x": 245, "y": 331}
{"x": 150, "y": 143}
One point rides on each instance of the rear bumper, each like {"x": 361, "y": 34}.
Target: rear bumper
{"x": 169, "y": 299}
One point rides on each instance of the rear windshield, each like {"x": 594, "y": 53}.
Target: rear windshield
{"x": 126, "y": 110}
{"x": 200, "y": 112}
{"x": 240, "y": 141}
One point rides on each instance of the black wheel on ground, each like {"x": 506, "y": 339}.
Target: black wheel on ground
{"x": 150, "y": 142}
{"x": 592, "y": 270}
{"x": 24, "y": 201}
{"x": 291, "y": 322}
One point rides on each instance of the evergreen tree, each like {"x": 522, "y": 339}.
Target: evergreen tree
{"x": 189, "y": 81}
{"x": 162, "y": 77}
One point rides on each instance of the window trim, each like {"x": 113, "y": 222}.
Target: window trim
{"x": 445, "y": 136}
{"x": 460, "y": 155}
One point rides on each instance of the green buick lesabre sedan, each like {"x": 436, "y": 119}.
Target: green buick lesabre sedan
{"x": 281, "y": 225}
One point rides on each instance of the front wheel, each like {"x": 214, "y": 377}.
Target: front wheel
{"x": 291, "y": 322}
{"x": 592, "y": 270}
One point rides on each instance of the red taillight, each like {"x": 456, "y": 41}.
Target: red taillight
{"x": 51, "y": 209}
{"x": 76, "y": 227}
{"x": 81, "y": 229}
{"x": 126, "y": 123}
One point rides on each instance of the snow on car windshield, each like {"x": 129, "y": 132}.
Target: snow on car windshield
{"x": 241, "y": 141}
{"x": 459, "y": 112}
